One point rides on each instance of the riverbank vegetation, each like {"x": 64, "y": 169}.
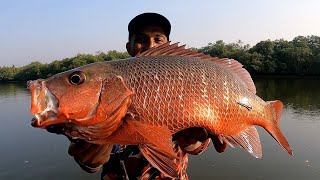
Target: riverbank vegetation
{"x": 300, "y": 56}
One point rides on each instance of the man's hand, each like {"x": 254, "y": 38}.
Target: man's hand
{"x": 90, "y": 157}
{"x": 195, "y": 140}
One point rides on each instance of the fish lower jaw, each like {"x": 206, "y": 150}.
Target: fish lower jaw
{"x": 35, "y": 122}
{"x": 43, "y": 119}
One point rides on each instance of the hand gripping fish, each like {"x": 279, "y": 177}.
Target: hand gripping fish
{"x": 144, "y": 100}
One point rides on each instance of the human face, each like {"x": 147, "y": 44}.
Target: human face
{"x": 146, "y": 38}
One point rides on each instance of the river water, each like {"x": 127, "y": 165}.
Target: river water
{"x": 30, "y": 153}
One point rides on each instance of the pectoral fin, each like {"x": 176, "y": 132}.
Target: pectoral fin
{"x": 159, "y": 150}
{"x": 159, "y": 159}
{"x": 159, "y": 136}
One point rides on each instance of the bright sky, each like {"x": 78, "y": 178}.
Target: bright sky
{"x": 43, "y": 30}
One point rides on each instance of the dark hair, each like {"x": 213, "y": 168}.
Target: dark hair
{"x": 149, "y": 19}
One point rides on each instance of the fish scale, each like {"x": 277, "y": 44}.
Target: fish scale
{"x": 194, "y": 100}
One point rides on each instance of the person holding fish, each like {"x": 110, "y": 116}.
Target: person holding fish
{"x": 160, "y": 105}
{"x": 146, "y": 31}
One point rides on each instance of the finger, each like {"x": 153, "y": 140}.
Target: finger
{"x": 98, "y": 154}
{"x": 191, "y": 135}
{"x": 200, "y": 134}
{"x": 91, "y": 152}
{"x": 57, "y": 129}
{"x": 185, "y": 141}
{"x": 89, "y": 169}
{"x": 93, "y": 157}
{"x": 220, "y": 147}
{"x": 104, "y": 156}
{"x": 75, "y": 149}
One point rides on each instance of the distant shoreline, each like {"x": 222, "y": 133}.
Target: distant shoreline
{"x": 299, "y": 58}
{"x": 285, "y": 76}
{"x": 255, "y": 76}
{"x": 13, "y": 81}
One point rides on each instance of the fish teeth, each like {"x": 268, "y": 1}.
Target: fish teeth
{"x": 37, "y": 115}
{"x": 50, "y": 111}
{"x": 36, "y": 119}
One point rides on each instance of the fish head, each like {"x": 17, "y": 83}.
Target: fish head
{"x": 71, "y": 97}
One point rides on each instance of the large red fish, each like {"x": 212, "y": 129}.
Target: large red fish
{"x": 146, "y": 99}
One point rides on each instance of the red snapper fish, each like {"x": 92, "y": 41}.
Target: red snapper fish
{"x": 145, "y": 99}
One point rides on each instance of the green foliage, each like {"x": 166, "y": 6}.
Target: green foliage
{"x": 7, "y": 73}
{"x": 37, "y": 70}
{"x": 31, "y": 71}
{"x": 301, "y": 56}
{"x": 112, "y": 55}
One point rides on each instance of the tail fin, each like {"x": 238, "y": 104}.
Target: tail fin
{"x": 273, "y": 128}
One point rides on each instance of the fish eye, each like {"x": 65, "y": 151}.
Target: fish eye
{"x": 77, "y": 78}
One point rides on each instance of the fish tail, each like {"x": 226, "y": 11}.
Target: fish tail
{"x": 273, "y": 128}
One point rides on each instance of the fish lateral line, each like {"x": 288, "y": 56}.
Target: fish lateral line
{"x": 246, "y": 106}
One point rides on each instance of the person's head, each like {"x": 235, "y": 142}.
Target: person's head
{"x": 147, "y": 30}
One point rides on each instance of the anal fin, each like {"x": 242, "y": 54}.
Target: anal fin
{"x": 247, "y": 139}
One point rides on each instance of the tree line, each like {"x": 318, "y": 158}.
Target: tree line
{"x": 300, "y": 56}
{"x": 36, "y": 70}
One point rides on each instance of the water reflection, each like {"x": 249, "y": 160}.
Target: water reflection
{"x": 13, "y": 89}
{"x": 300, "y": 94}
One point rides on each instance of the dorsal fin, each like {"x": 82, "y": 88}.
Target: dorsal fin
{"x": 232, "y": 65}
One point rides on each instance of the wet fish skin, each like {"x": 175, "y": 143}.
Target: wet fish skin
{"x": 180, "y": 92}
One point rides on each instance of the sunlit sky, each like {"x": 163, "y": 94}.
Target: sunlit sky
{"x": 43, "y": 30}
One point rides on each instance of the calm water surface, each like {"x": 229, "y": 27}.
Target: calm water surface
{"x": 29, "y": 153}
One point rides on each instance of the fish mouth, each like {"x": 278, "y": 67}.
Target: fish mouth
{"x": 44, "y": 105}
